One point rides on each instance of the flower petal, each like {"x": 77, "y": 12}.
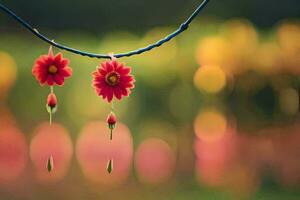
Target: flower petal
{"x": 126, "y": 79}
{"x": 50, "y": 80}
{"x": 118, "y": 93}
{"x": 64, "y": 63}
{"x": 124, "y": 70}
{"x": 124, "y": 91}
{"x": 59, "y": 80}
{"x": 127, "y": 85}
{"x": 109, "y": 67}
{"x": 109, "y": 95}
{"x": 42, "y": 78}
{"x": 102, "y": 72}
{"x": 58, "y": 58}
{"x": 103, "y": 92}
{"x": 66, "y": 72}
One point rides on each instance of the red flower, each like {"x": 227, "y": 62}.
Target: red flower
{"x": 51, "y": 69}
{"x": 113, "y": 79}
{"x": 51, "y": 100}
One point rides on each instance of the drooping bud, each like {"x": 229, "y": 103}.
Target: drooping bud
{"x": 50, "y": 164}
{"x": 111, "y": 120}
{"x": 52, "y": 100}
{"x": 51, "y": 103}
{"x": 109, "y": 167}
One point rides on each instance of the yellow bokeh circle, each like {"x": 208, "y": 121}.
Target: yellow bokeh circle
{"x": 289, "y": 101}
{"x": 8, "y": 72}
{"x": 210, "y": 125}
{"x": 211, "y": 79}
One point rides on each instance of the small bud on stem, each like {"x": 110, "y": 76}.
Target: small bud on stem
{"x": 109, "y": 167}
{"x": 50, "y": 164}
{"x": 52, "y": 100}
{"x": 51, "y": 105}
{"x": 111, "y": 122}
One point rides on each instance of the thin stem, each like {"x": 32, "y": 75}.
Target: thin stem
{"x": 160, "y": 42}
{"x": 111, "y": 129}
{"x": 112, "y": 108}
{"x": 50, "y": 113}
{"x": 111, "y": 134}
{"x": 50, "y": 118}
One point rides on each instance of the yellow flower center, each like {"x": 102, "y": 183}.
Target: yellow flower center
{"x": 112, "y": 78}
{"x": 52, "y": 69}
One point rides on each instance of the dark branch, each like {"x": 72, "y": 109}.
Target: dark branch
{"x": 34, "y": 31}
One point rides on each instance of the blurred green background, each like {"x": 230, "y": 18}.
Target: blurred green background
{"x": 214, "y": 114}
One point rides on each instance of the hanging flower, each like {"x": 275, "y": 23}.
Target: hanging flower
{"x": 113, "y": 79}
{"x": 51, "y": 69}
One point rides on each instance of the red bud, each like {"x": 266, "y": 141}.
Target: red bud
{"x": 52, "y": 100}
{"x": 111, "y": 120}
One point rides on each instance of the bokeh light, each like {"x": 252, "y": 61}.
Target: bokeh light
{"x": 216, "y": 51}
{"x": 13, "y": 153}
{"x": 8, "y": 73}
{"x": 94, "y": 150}
{"x": 51, "y": 140}
{"x": 243, "y": 40}
{"x": 210, "y": 78}
{"x": 288, "y": 35}
{"x": 154, "y": 161}
{"x": 242, "y": 34}
{"x": 267, "y": 59}
{"x": 289, "y": 101}
{"x": 241, "y": 180}
{"x": 213, "y": 158}
{"x": 286, "y": 147}
{"x": 210, "y": 125}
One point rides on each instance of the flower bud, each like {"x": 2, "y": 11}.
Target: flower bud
{"x": 51, "y": 105}
{"x": 109, "y": 166}
{"x": 51, "y": 100}
{"x": 50, "y": 164}
{"x": 111, "y": 120}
